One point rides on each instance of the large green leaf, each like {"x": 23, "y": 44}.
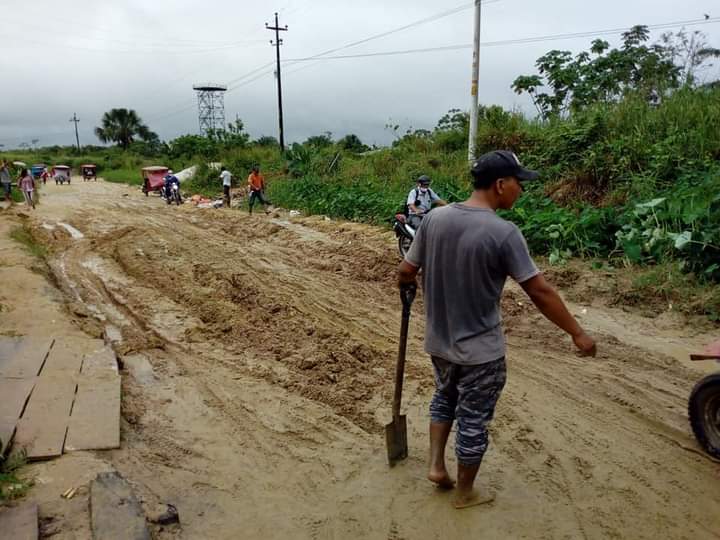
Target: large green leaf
{"x": 633, "y": 251}
{"x": 682, "y": 239}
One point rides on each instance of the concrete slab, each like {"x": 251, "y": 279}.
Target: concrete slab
{"x": 19, "y": 522}
{"x": 115, "y": 512}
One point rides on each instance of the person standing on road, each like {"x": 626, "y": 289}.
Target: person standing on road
{"x": 5, "y": 180}
{"x": 226, "y": 177}
{"x": 256, "y": 184}
{"x": 27, "y": 186}
{"x": 466, "y": 252}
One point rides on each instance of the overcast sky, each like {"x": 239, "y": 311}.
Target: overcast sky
{"x": 88, "y": 56}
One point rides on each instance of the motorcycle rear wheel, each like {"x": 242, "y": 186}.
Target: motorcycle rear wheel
{"x": 704, "y": 413}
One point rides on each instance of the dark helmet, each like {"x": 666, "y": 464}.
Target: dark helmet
{"x": 424, "y": 180}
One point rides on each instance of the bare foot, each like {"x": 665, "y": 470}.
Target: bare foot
{"x": 441, "y": 479}
{"x": 473, "y": 498}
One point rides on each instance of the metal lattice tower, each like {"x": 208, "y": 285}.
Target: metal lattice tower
{"x": 211, "y": 106}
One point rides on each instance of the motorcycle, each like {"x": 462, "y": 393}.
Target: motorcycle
{"x": 704, "y": 408}
{"x": 172, "y": 194}
{"x": 404, "y": 232}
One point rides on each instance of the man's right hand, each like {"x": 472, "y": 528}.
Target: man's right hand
{"x": 585, "y": 344}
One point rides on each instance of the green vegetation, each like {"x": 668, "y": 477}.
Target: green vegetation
{"x": 11, "y": 486}
{"x": 16, "y": 195}
{"x": 25, "y": 237}
{"x": 123, "y": 126}
{"x": 123, "y": 176}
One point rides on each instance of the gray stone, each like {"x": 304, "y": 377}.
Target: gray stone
{"x": 115, "y": 512}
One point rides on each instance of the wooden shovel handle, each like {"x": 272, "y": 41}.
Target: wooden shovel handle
{"x": 407, "y": 295}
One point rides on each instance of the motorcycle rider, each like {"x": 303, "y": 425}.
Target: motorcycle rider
{"x": 420, "y": 201}
{"x": 170, "y": 179}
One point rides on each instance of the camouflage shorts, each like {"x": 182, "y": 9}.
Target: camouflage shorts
{"x": 467, "y": 394}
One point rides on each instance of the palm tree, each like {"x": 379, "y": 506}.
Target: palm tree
{"x": 123, "y": 126}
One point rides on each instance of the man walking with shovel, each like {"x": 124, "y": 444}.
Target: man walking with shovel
{"x": 467, "y": 252}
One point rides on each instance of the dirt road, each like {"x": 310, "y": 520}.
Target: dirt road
{"x": 259, "y": 355}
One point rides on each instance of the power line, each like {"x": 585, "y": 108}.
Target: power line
{"x": 538, "y": 39}
{"x": 418, "y": 22}
{"x": 232, "y": 86}
{"x": 248, "y": 78}
{"x": 186, "y": 105}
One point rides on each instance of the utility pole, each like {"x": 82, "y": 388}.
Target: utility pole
{"x": 277, "y": 44}
{"x": 472, "y": 143}
{"x": 77, "y": 137}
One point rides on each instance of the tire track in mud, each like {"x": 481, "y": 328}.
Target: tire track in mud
{"x": 249, "y": 298}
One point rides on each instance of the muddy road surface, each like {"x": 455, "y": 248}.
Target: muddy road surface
{"x": 258, "y": 357}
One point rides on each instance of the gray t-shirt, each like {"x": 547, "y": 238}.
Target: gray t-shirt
{"x": 5, "y": 176}
{"x": 466, "y": 255}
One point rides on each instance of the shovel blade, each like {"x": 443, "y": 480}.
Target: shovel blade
{"x": 396, "y": 440}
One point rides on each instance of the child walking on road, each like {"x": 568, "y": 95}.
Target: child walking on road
{"x": 27, "y": 186}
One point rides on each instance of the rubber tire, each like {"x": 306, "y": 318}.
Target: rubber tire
{"x": 704, "y": 413}
{"x": 404, "y": 244}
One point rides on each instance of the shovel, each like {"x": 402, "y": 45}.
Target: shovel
{"x": 396, "y": 431}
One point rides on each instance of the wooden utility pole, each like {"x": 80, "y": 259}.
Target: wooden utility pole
{"x": 277, "y": 44}
{"x": 77, "y": 137}
{"x": 472, "y": 142}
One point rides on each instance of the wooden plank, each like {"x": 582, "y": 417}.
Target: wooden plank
{"x": 23, "y": 357}
{"x": 52, "y": 395}
{"x": 101, "y": 362}
{"x": 95, "y": 419}
{"x": 39, "y": 438}
{"x": 115, "y": 512}
{"x": 19, "y": 522}
{"x": 13, "y": 396}
{"x": 66, "y": 354}
{"x": 41, "y": 430}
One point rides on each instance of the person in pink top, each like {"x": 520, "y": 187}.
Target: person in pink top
{"x": 27, "y": 186}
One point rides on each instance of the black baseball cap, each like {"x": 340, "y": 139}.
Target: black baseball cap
{"x": 424, "y": 180}
{"x": 499, "y": 164}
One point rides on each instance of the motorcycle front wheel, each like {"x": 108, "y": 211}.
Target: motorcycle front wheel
{"x": 404, "y": 244}
{"x": 704, "y": 413}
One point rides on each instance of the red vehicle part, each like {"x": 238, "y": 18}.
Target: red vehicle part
{"x": 153, "y": 178}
